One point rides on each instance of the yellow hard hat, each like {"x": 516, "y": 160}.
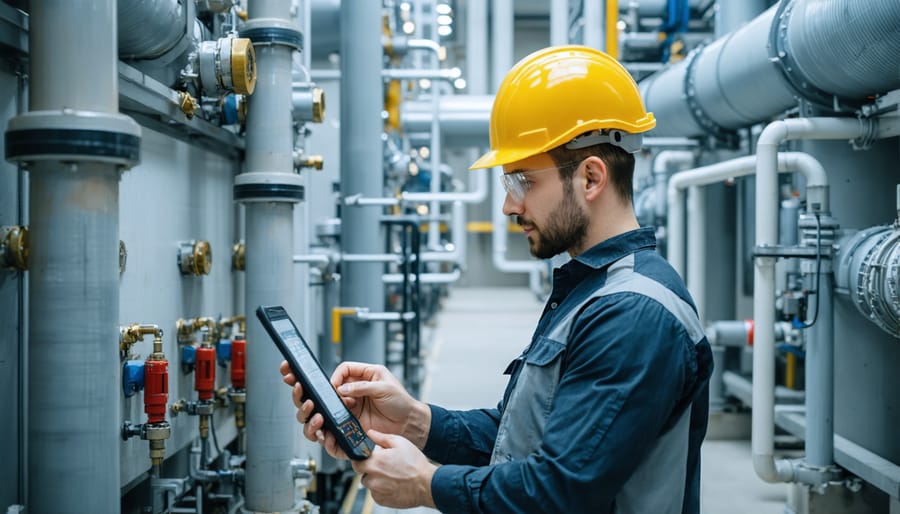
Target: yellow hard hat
{"x": 557, "y": 94}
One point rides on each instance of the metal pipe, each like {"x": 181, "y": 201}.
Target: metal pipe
{"x": 592, "y": 29}
{"x": 819, "y": 401}
{"x": 464, "y": 119}
{"x": 766, "y": 204}
{"x": 476, "y": 195}
{"x": 361, "y": 128}
{"x": 559, "y": 22}
{"x": 424, "y": 278}
{"x": 502, "y": 40}
{"x": 732, "y": 82}
{"x": 269, "y": 189}
{"x": 739, "y": 167}
{"x": 74, "y": 419}
{"x": 415, "y": 74}
{"x": 696, "y": 249}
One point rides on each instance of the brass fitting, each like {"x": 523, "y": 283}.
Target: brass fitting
{"x": 312, "y": 161}
{"x": 223, "y": 323}
{"x": 318, "y": 105}
{"x": 238, "y": 257}
{"x": 204, "y": 426}
{"x": 156, "y": 434}
{"x": 131, "y": 334}
{"x": 14, "y": 247}
{"x": 195, "y": 257}
{"x": 185, "y": 328}
{"x": 179, "y": 406}
{"x": 187, "y": 103}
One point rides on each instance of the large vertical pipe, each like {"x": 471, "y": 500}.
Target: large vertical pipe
{"x": 73, "y": 406}
{"x": 502, "y": 42}
{"x": 820, "y": 375}
{"x": 559, "y": 22}
{"x": 593, "y": 30}
{"x": 361, "y": 173}
{"x": 269, "y": 188}
{"x": 477, "y": 48}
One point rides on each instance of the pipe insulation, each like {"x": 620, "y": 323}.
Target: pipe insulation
{"x": 804, "y": 48}
{"x": 149, "y": 30}
{"x": 464, "y": 119}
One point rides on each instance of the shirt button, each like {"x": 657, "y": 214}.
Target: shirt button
{"x": 554, "y": 305}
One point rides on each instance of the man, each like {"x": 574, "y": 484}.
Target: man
{"x": 606, "y": 408}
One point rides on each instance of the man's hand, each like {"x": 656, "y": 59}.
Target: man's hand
{"x": 375, "y": 397}
{"x": 397, "y": 473}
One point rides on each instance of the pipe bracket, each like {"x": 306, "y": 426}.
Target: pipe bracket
{"x": 70, "y": 135}
{"x": 268, "y": 187}
{"x": 723, "y": 136}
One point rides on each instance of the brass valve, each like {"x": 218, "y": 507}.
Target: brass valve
{"x": 318, "y": 105}
{"x": 187, "y": 103}
{"x": 312, "y": 161}
{"x": 14, "y": 247}
{"x": 185, "y": 328}
{"x": 238, "y": 256}
{"x": 131, "y": 334}
{"x": 195, "y": 257}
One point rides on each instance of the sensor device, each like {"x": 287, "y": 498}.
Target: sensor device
{"x": 316, "y": 386}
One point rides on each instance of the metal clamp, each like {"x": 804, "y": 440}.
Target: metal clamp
{"x": 729, "y": 138}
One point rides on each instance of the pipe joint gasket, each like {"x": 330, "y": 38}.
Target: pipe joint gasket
{"x": 723, "y": 136}
{"x": 780, "y": 54}
{"x": 273, "y": 31}
{"x": 268, "y": 187}
{"x": 76, "y": 136}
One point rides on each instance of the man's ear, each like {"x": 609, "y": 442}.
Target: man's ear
{"x": 596, "y": 177}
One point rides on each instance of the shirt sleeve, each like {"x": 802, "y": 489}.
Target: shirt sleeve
{"x": 462, "y": 437}
{"x": 622, "y": 378}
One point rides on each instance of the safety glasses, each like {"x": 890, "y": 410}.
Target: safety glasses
{"x": 517, "y": 183}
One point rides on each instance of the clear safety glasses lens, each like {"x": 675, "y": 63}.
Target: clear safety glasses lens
{"x": 516, "y": 184}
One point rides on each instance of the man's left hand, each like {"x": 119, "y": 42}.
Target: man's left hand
{"x": 397, "y": 473}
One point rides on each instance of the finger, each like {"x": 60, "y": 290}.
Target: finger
{"x": 289, "y": 379}
{"x": 297, "y": 394}
{"x": 306, "y": 409}
{"x": 358, "y": 389}
{"x": 352, "y": 371}
{"x": 284, "y": 368}
{"x": 383, "y": 440}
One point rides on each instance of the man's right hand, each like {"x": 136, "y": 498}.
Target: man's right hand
{"x": 375, "y": 397}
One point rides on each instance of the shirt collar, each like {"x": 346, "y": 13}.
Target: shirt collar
{"x": 609, "y": 251}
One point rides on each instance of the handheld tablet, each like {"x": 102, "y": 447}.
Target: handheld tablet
{"x": 316, "y": 386}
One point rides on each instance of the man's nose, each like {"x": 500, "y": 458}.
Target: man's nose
{"x": 511, "y": 205}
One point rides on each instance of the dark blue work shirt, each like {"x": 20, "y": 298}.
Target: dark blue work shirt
{"x": 630, "y": 371}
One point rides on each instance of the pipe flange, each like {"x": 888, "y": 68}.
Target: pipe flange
{"x": 723, "y": 136}
{"x": 273, "y": 31}
{"x": 780, "y": 54}
{"x": 77, "y": 136}
{"x": 261, "y": 186}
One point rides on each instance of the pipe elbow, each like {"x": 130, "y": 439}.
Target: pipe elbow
{"x": 772, "y": 471}
{"x": 773, "y": 134}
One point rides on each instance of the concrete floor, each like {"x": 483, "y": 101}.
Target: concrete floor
{"x": 479, "y": 330}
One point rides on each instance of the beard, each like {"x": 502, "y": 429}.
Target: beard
{"x": 566, "y": 228}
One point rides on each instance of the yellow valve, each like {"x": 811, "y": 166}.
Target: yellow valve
{"x": 187, "y": 104}
{"x": 14, "y": 248}
{"x": 336, "y": 314}
{"x": 243, "y": 66}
